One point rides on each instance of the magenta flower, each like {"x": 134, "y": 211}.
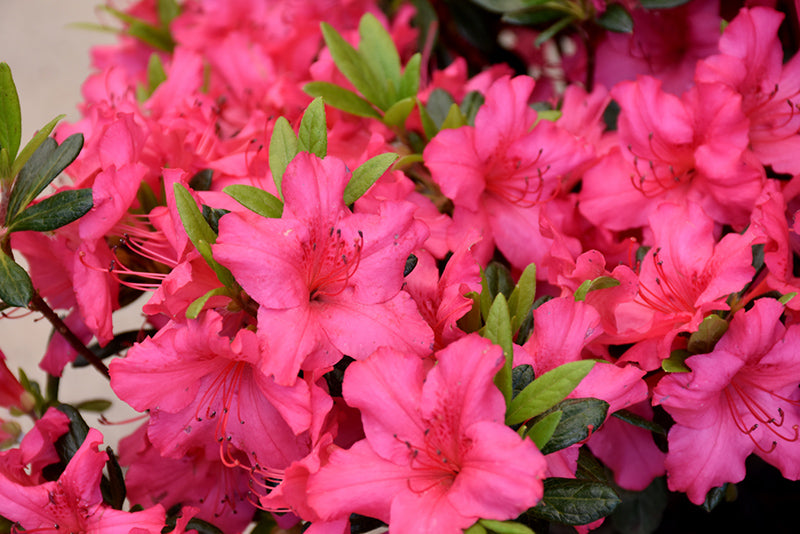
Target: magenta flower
{"x": 437, "y": 455}
{"x": 328, "y": 282}
{"x": 74, "y": 503}
{"x": 741, "y": 398}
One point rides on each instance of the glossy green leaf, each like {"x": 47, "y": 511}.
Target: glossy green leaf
{"x": 409, "y": 82}
{"x": 575, "y": 502}
{"x": 156, "y": 75}
{"x": 601, "y": 282}
{"x": 313, "y": 133}
{"x": 397, "y": 114}
{"x": 715, "y": 496}
{"x": 10, "y": 115}
{"x": 579, "y": 419}
{"x": 505, "y": 527}
{"x": 378, "y": 49}
{"x": 68, "y": 444}
{"x": 354, "y": 67}
{"x": 282, "y": 150}
{"x": 367, "y": 174}
{"x": 498, "y": 331}
{"x": 616, "y": 19}
{"x": 255, "y": 199}
{"x": 45, "y": 164}
{"x": 662, "y": 4}
{"x": 543, "y": 429}
{"x": 547, "y": 390}
{"x": 342, "y": 99}
{"x": 194, "y": 309}
{"x": 708, "y": 333}
{"x": 35, "y": 142}
{"x": 202, "y": 180}
{"x": 495, "y": 279}
{"x": 54, "y": 212}
{"x": 94, "y": 405}
{"x": 167, "y": 11}
{"x": 522, "y": 296}
{"x": 113, "y": 486}
{"x": 16, "y": 288}
{"x": 589, "y": 468}
{"x": 675, "y": 362}
{"x": 641, "y": 512}
{"x": 637, "y": 420}
{"x": 199, "y": 232}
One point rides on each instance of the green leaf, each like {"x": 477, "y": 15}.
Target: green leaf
{"x": 675, "y": 362}
{"x": 10, "y": 115}
{"x": 579, "y": 419}
{"x": 454, "y": 118}
{"x": 522, "y": 296}
{"x": 475, "y": 529}
{"x": 637, "y": 420}
{"x": 342, "y": 99}
{"x": 43, "y": 167}
{"x": 5, "y": 165}
{"x": 543, "y": 429}
{"x": 397, "y": 114}
{"x": 428, "y": 125}
{"x": 662, "y": 4}
{"x": 551, "y": 32}
{"x": 616, "y": 19}
{"x": 199, "y": 232}
{"x": 36, "y": 141}
{"x": 354, "y": 67}
{"x": 641, "y": 511}
{"x": 255, "y": 199}
{"x": 601, "y": 282}
{"x": 194, "y": 309}
{"x": 715, "y": 496}
{"x": 708, "y": 333}
{"x": 202, "y": 180}
{"x": 282, "y": 150}
{"x": 407, "y": 161}
{"x": 144, "y": 31}
{"x": 495, "y": 279}
{"x": 547, "y": 390}
{"x": 501, "y": 6}
{"x": 202, "y": 527}
{"x": 94, "y": 405}
{"x": 167, "y": 11}
{"x": 54, "y": 212}
{"x": 439, "y": 104}
{"x": 787, "y": 297}
{"x": 313, "y": 133}
{"x": 589, "y": 468}
{"x": 113, "y": 486}
{"x": 521, "y": 376}
{"x": 16, "y": 288}
{"x": 156, "y": 75}
{"x": 367, "y": 174}
{"x": 378, "y": 49}
{"x": 575, "y": 502}
{"x": 68, "y": 444}
{"x": 505, "y": 527}
{"x": 409, "y": 82}
{"x": 498, "y": 331}
{"x": 470, "y": 105}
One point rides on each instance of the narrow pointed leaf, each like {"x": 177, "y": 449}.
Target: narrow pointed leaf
{"x": 256, "y": 200}
{"x": 36, "y": 141}
{"x": 601, "y": 282}
{"x": 498, "y": 330}
{"x": 454, "y": 118}
{"x": 342, "y": 99}
{"x": 113, "y": 487}
{"x": 313, "y": 134}
{"x": 282, "y": 150}
{"x": 16, "y": 288}
{"x": 409, "y": 82}
{"x": 575, "y": 502}
{"x": 616, "y": 19}
{"x": 43, "y": 167}
{"x": 547, "y": 390}
{"x": 196, "y": 307}
{"x": 428, "y": 124}
{"x": 167, "y": 11}
{"x": 708, "y": 333}
{"x": 637, "y": 420}
{"x": 543, "y": 429}
{"x": 522, "y": 296}
{"x": 54, "y": 212}
{"x": 378, "y": 49}
{"x": 155, "y": 73}
{"x": 10, "y": 116}
{"x": 399, "y": 112}
{"x": 505, "y": 527}
{"x": 354, "y": 67}
{"x": 94, "y": 405}
{"x": 550, "y": 32}
{"x": 367, "y": 174}
{"x": 579, "y": 419}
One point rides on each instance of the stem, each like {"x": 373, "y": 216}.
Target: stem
{"x": 51, "y": 390}
{"x": 37, "y": 303}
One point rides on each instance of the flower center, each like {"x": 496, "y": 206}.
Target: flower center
{"x": 331, "y": 261}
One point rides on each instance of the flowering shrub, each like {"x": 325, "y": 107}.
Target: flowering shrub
{"x": 402, "y": 275}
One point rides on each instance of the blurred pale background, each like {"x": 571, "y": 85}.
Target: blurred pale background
{"x": 49, "y": 61}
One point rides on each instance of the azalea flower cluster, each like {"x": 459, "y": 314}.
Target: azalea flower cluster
{"x": 355, "y": 302}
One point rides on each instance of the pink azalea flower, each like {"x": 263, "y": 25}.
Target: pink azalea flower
{"x": 74, "y": 503}
{"x": 751, "y": 61}
{"x": 499, "y": 173}
{"x": 329, "y": 281}
{"x": 741, "y": 398}
{"x": 437, "y": 455}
